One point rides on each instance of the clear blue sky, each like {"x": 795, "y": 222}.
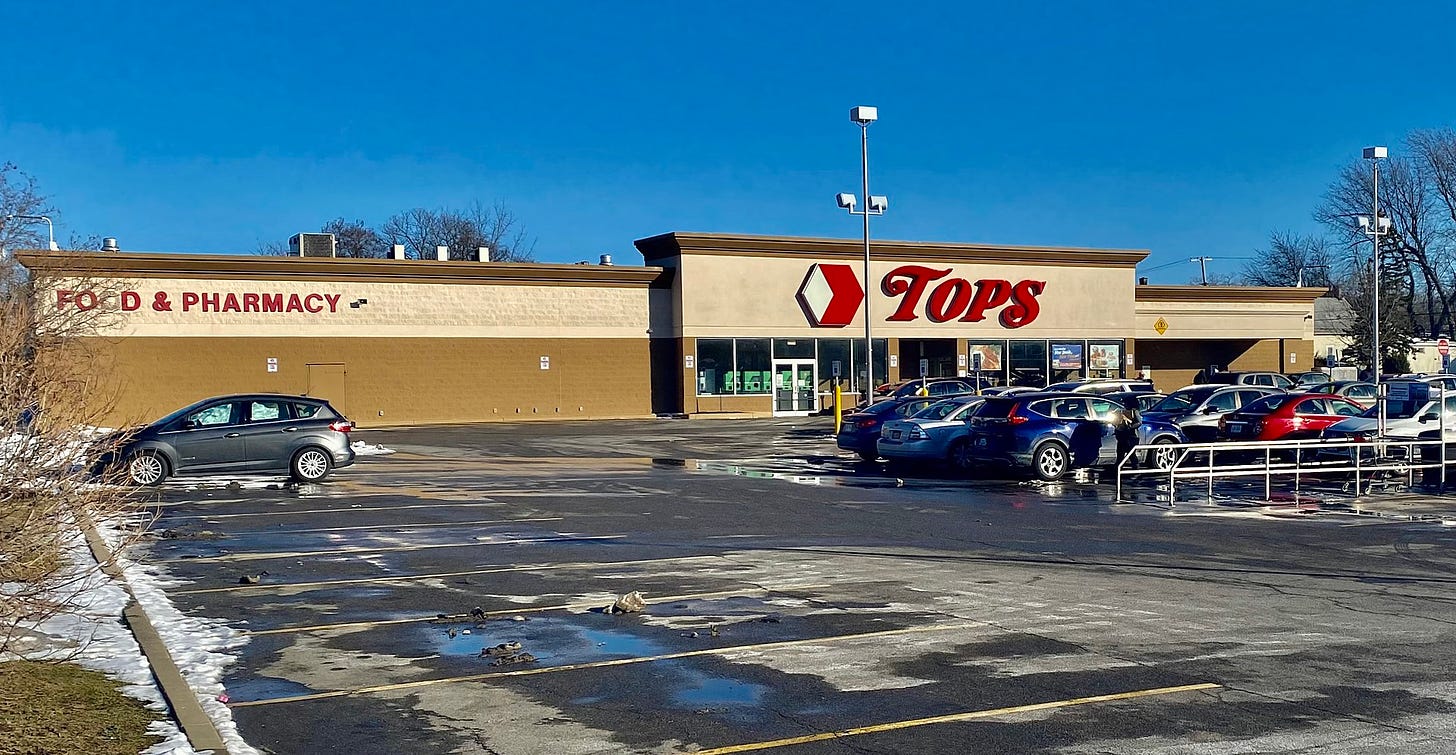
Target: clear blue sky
{"x": 1183, "y": 128}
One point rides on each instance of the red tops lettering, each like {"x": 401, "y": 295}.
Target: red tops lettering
{"x": 959, "y": 299}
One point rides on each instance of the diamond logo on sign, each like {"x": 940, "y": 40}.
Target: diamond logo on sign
{"x": 1161, "y": 326}
{"x": 830, "y": 295}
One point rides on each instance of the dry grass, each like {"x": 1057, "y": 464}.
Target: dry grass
{"x": 59, "y": 708}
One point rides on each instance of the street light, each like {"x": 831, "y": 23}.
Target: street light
{"x": 42, "y": 219}
{"x": 864, "y": 115}
{"x": 1374, "y": 226}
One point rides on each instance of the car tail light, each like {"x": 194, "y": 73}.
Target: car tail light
{"x": 341, "y": 426}
{"x": 915, "y": 434}
{"x": 1013, "y": 417}
{"x": 865, "y": 424}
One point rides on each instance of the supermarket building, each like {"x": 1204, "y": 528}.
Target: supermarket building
{"x": 711, "y": 324}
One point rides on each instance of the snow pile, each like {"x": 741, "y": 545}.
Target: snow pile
{"x": 92, "y": 635}
{"x": 200, "y": 647}
{"x": 369, "y": 449}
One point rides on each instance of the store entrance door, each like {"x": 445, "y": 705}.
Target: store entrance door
{"x": 793, "y": 387}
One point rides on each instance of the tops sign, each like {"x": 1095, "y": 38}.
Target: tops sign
{"x": 193, "y": 301}
{"x": 831, "y": 295}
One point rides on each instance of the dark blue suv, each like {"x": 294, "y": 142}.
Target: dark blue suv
{"x": 1051, "y": 433}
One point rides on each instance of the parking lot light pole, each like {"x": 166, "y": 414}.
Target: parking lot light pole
{"x": 1373, "y": 227}
{"x": 864, "y": 115}
{"x": 50, "y": 227}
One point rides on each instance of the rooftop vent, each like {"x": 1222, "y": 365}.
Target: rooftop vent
{"x": 312, "y": 244}
{"x": 108, "y": 244}
{"x": 607, "y": 259}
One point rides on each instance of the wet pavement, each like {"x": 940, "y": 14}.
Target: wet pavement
{"x": 794, "y": 592}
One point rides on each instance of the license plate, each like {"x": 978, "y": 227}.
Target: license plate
{"x": 1236, "y": 427}
{"x": 894, "y": 435}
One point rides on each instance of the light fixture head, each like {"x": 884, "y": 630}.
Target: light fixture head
{"x": 845, "y": 200}
{"x": 864, "y": 115}
{"x": 879, "y": 203}
{"x": 1364, "y": 222}
{"x": 1376, "y": 153}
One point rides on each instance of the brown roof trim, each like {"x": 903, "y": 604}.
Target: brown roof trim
{"x": 1262, "y": 294}
{"x": 669, "y": 245}
{"x": 153, "y": 265}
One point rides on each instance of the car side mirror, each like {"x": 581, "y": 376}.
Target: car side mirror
{"x": 191, "y": 424}
{"x": 1210, "y": 410}
{"x": 1429, "y": 416}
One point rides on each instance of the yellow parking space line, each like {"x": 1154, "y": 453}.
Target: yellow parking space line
{"x": 956, "y": 717}
{"x": 728, "y": 650}
{"x": 464, "y": 618}
{"x": 325, "y": 584}
{"x": 394, "y": 527}
{"x": 265, "y": 556}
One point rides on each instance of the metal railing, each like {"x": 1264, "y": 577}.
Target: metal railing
{"x": 1369, "y": 461}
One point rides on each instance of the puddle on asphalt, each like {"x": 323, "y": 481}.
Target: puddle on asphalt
{"x": 715, "y": 691}
{"x": 264, "y": 688}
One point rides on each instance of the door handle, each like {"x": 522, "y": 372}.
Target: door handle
{"x": 233, "y": 435}
{"x": 290, "y": 429}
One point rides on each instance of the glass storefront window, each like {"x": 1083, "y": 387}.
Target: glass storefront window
{"x": 715, "y": 366}
{"x": 1067, "y": 361}
{"x": 1104, "y": 360}
{"x": 882, "y": 350}
{"x": 1028, "y": 363}
{"x": 993, "y": 361}
{"x": 793, "y": 348}
{"x": 833, "y": 350}
{"x": 754, "y": 365}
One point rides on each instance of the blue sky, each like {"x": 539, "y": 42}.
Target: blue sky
{"x": 1183, "y": 128}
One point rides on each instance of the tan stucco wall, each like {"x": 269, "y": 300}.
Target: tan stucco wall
{"x": 1223, "y": 319}
{"x": 389, "y": 381}
{"x": 407, "y": 310}
{"x": 725, "y": 296}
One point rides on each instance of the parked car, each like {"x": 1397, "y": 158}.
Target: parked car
{"x": 1155, "y": 437}
{"x": 1404, "y": 420}
{"x": 1050, "y": 433}
{"x": 938, "y": 387}
{"x": 937, "y": 432}
{"x": 1447, "y": 382}
{"x": 305, "y": 437}
{"x": 1102, "y": 386}
{"x": 1196, "y": 410}
{"x": 1357, "y": 390}
{"x": 1008, "y": 390}
{"x": 860, "y": 431}
{"x": 1136, "y": 402}
{"x": 1306, "y": 380}
{"x": 1266, "y": 379}
{"x": 1288, "y": 416}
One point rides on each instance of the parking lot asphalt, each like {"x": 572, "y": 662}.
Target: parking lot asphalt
{"x": 797, "y": 601}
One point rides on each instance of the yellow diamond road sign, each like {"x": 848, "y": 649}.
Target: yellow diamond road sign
{"x": 1161, "y": 326}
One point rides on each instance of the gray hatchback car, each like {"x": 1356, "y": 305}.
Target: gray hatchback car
{"x": 303, "y": 436}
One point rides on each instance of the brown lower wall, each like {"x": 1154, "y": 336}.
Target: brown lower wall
{"x": 389, "y": 381}
{"x": 1176, "y": 363}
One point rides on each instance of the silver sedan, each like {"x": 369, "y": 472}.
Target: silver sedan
{"x": 937, "y": 432}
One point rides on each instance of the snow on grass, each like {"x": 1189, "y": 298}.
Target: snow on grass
{"x": 91, "y": 634}
{"x": 201, "y": 647}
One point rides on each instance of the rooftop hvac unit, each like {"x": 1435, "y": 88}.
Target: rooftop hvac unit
{"x": 312, "y": 244}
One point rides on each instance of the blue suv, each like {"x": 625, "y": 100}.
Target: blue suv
{"x": 1051, "y": 433}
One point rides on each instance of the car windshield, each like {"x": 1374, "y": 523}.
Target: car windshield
{"x": 1067, "y": 386}
{"x": 880, "y": 407}
{"x": 1179, "y": 401}
{"x": 939, "y": 410}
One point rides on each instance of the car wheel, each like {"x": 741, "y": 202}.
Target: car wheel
{"x": 311, "y": 465}
{"x": 146, "y": 468}
{"x": 1161, "y": 456}
{"x": 1049, "y": 463}
{"x": 959, "y": 456}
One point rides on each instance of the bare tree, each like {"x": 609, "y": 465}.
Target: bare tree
{"x": 19, "y": 195}
{"x": 463, "y": 231}
{"x": 1291, "y": 259}
{"x": 355, "y": 239}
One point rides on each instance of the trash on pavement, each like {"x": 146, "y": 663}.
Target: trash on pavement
{"x": 632, "y": 602}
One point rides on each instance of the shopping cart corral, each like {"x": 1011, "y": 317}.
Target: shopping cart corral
{"x": 1286, "y": 466}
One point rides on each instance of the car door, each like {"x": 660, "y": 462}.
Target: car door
{"x": 209, "y": 439}
{"x": 268, "y": 428}
{"x": 1202, "y": 424}
{"x": 1111, "y": 420}
{"x": 1309, "y": 417}
{"x": 1083, "y": 433}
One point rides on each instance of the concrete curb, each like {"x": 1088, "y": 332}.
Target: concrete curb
{"x": 193, "y": 720}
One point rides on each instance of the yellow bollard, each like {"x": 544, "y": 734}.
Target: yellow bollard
{"x": 838, "y": 408}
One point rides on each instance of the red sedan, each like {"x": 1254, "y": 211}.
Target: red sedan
{"x": 1287, "y": 416}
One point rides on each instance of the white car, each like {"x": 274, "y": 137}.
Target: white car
{"x": 937, "y": 432}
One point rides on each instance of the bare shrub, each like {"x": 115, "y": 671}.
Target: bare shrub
{"x": 54, "y": 392}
